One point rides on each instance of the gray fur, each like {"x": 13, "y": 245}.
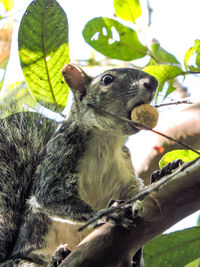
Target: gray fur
{"x": 22, "y": 137}
{"x": 66, "y": 175}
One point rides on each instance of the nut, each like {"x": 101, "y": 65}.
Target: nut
{"x": 146, "y": 115}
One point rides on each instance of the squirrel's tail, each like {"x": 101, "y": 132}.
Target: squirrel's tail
{"x": 22, "y": 138}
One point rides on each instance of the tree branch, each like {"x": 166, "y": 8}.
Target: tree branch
{"x": 111, "y": 245}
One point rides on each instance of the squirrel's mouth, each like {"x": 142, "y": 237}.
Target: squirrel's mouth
{"x": 135, "y": 129}
{"x": 131, "y": 123}
{"x": 135, "y": 105}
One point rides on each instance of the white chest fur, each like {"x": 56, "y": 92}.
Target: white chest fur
{"x": 105, "y": 172}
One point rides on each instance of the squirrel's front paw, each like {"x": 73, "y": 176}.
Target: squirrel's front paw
{"x": 59, "y": 255}
{"x": 121, "y": 217}
{"x": 167, "y": 169}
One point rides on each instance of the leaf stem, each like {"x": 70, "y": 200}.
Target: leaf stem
{"x": 45, "y": 56}
{"x": 150, "y": 54}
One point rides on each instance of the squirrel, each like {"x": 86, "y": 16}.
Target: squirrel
{"x": 54, "y": 179}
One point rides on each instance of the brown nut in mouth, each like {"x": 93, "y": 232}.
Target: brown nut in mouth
{"x": 146, "y": 115}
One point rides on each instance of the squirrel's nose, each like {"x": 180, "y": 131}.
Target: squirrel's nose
{"x": 151, "y": 84}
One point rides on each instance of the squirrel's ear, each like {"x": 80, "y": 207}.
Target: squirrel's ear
{"x": 76, "y": 78}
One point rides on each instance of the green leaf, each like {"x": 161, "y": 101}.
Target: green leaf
{"x": 190, "y": 52}
{"x": 174, "y": 249}
{"x": 185, "y": 155}
{"x": 2, "y": 79}
{"x": 8, "y": 4}
{"x": 197, "y": 45}
{"x": 163, "y": 73}
{"x": 128, "y": 10}
{"x": 113, "y": 39}
{"x": 193, "y": 69}
{"x": 152, "y": 62}
{"x": 198, "y": 60}
{"x": 195, "y": 263}
{"x": 188, "y": 55}
{"x": 170, "y": 89}
{"x": 43, "y": 51}
{"x": 162, "y": 55}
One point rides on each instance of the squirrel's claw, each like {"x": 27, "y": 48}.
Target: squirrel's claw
{"x": 59, "y": 255}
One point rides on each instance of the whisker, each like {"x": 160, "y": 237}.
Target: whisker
{"x": 132, "y": 93}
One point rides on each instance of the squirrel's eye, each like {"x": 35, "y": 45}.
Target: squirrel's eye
{"x": 107, "y": 79}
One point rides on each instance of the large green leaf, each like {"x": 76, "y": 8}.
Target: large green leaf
{"x": 128, "y": 10}
{"x": 43, "y": 51}
{"x": 113, "y": 39}
{"x": 163, "y": 73}
{"x": 195, "y": 263}
{"x": 170, "y": 89}
{"x": 174, "y": 249}
{"x": 185, "y": 155}
{"x": 162, "y": 55}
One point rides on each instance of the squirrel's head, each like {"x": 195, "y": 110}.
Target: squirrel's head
{"x": 116, "y": 91}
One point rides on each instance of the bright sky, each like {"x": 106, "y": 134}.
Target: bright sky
{"x": 175, "y": 24}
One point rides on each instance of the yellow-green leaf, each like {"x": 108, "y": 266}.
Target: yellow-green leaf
{"x": 185, "y": 155}
{"x": 162, "y": 55}
{"x": 195, "y": 263}
{"x": 8, "y": 4}
{"x": 43, "y": 51}
{"x": 198, "y": 60}
{"x": 188, "y": 55}
{"x": 128, "y": 10}
{"x": 163, "y": 73}
{"x": 190, "y": 52}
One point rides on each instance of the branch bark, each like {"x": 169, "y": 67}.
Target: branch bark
{"x": 111, "y": 246}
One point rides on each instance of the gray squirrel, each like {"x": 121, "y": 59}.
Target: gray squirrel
{"x": 52, "y": 181}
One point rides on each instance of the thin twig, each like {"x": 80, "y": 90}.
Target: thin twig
{"x": 176, "y": 141}
{"x": 136, "y": 124}
{"x": 185, "y": 101}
